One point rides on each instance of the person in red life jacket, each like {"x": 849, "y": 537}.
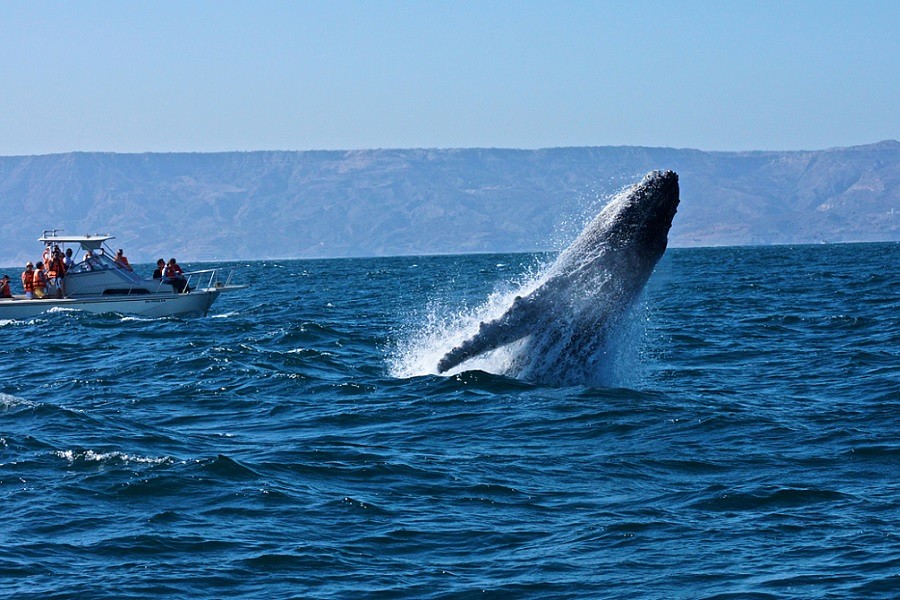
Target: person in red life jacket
{"x": 28, "y": 280}
{"x": 175, "y": 276}
{"x": 123, "y": 260}
{"x": 39, "y": 281}
{"x": 4, "y": 287}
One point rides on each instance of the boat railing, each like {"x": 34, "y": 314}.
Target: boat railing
{"x": 209, "y": 278}
{"x": 203, "y": 279}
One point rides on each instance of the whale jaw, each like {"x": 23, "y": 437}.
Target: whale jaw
{"x": 589, "y": 287}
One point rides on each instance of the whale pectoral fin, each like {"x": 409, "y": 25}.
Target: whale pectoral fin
{"x": 513, "y": 325}
{"x": 475, "y": 345}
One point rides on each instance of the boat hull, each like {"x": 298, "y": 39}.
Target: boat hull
{"x": 194, "y": 304}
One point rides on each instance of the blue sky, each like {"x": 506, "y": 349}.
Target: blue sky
{"x": 231, "y": 75}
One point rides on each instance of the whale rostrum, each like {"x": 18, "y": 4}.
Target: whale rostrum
{"x": 570, "y": 314}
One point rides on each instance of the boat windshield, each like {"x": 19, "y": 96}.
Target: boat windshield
{"x": 101, "y": 262}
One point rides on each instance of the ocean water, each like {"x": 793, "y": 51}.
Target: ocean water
{"x": 742, "y": 442}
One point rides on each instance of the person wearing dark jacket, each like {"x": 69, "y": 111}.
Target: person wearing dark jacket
{"x": 4, "y": 287}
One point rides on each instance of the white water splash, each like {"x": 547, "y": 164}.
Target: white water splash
{"x": 8, "y": 401}
{"x": 109, "y": 457}
{"x": 441, "y": 327}
{"x": 61, "y": 309}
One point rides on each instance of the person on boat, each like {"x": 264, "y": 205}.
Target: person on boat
{"x": 28, "y": 280}
{"x": 175, "y": 276}
{"x": 160, "y": 267}
{"x": 56, "y": 272}
{"x": 40, "y": 281}
{"x": 91, "y": 263}
{"x": 70, "y": 262}
{"x": 4, "y": 287}
{"x": 122, "y": 260}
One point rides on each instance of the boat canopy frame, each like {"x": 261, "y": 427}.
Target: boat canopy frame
{"x": 87, "y": 242}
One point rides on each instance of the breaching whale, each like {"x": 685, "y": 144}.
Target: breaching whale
{"x": 575, "y": 310}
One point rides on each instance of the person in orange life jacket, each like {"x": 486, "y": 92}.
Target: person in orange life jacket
{"x": 40, "y": 281}
{"x": 174, "y": 276}
{"x": 123, "y": 260}
{"x": 58, "y": 263}
{"x": 28, "y": 280}
{"x": 47, "y": 258}
{"x": 56, "y": 271}
{"x": 4, "y": 287}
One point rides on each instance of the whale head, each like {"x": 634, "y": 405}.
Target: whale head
{"x": 634, "y": 225}
{"x": 647, "y": 215}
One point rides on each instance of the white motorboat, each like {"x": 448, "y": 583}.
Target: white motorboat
{"x": 99, "y": 284}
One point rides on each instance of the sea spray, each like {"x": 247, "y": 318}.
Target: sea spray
{"x": 429, "y": 333}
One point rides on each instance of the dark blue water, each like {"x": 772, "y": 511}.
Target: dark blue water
{"x": 294, "y": 445}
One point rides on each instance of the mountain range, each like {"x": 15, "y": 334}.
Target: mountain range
{"x": 313, "y": 204}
